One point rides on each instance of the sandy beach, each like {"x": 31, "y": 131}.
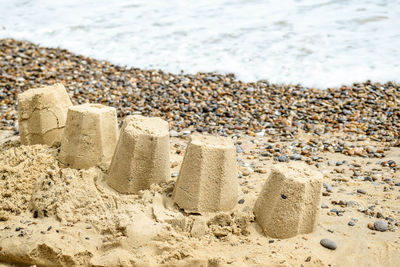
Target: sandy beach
{"x": 51, "y": 215}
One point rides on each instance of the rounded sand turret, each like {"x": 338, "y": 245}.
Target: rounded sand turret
{"x": 90, "y": 136}
{"x": 141, "y": 157}
{"x": 207, "y": 181}
{"x": 42, "y": 113}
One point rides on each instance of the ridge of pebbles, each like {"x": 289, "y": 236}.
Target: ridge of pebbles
{"x": 204, "y": 102}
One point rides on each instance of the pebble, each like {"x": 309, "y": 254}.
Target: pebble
{"x": 351, "y": 223}
{"x": 295, "y": 157}
{"x": 324, "y": 206}
{"x": 381, "y": 225}
{"x": 328, "y": 187}
{"x": 173, "y": 133}
{"x": 361, "y": 191}
{"x": 283, "y": 158}
{"x": 327, "y": 243}
{"x": 239, "y": 149}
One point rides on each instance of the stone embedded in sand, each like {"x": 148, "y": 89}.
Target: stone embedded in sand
{"x": 207, "y": 181}
{"x": 90, "y": 136}
{"x": 42, "y": 113}
{"x": 141, "y": 157}
{"x": 289, "y": 202}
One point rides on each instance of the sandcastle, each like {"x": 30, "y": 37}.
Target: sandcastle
{"x": 90, "y": 136}
{"x": 289, "y": 202}
{"x": 141, "y": 157}
{"x": 42, "y": 113}
{"x": 207, "y": 181}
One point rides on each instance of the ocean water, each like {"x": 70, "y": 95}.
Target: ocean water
{"x": 316, "y": 43}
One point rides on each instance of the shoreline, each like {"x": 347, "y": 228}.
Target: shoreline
{"x": 205, "y": 102}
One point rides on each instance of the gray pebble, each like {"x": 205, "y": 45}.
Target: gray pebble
{"x": 361, "y": 191}
{"x": 283, "y": 158}
{"x": 381, "y": 225}
{"x": 327, "y": 243}
{"x": 295, "y": 156}
{"x": 351, "y": 223}
{"x": 328, "y": 187}
{"x": 368, "y": 179}
{"x": 334, "y": 211}
{"x": 239, "y": 149}
{"x": 324, "y": 206}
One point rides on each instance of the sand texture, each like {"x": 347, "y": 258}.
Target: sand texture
{"x": 42, "y": 113}
{"x": 141, "y": 157}
{"x": 67, "y": 217}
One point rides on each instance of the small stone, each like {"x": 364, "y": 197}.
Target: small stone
{"x": 351, "y": 223}
{"x": 335, "y": 211}
{"x": 260, "y": 170}
{"x": 239, "y": 149}
{"x": 381, "y": 226}
{"x": 173, "y": 133}
{"x": 327, "y": 243}
{"x": 295, "y": 156}
{"x": 328, "y": 187}
{"x": 260, "y": 134}
{"x": 283, "y": 158}
{"x": 241, "y": 201}
{"x": 361, "y": 191}
{"x": 324, "y": 206}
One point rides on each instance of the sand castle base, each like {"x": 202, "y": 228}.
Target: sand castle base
{"x": 141, "y": 157}
{"x": 90, "y": 136}
{"x": 289, "y": 202}
{"x": 42, "y": 113}
{"x": 207, "y": 181}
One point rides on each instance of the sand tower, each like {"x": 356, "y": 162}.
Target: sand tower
{"x": 141, "y": 157}
{"x": 90, "y": 136}
{"x": 207, "y": 181}
{"x": 42, "y": 113}
{"x": 289, "y": 202}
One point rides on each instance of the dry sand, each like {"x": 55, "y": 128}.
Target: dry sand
{"x": 64, "y": 217}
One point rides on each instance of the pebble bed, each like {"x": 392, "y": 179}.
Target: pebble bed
{"x": 204, "y": 102}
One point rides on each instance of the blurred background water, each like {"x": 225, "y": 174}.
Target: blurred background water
{"x": 317, "y": 43}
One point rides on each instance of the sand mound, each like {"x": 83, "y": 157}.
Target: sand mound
{"x": 20, "y": 169}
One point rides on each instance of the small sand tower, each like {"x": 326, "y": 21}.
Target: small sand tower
{"x": 42, "y": 113}
{"x": 141, "y": 157}
{"x": 289, "y": 202}
{"x": 90, "y": 136}
{"x": 207, "y": 181}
